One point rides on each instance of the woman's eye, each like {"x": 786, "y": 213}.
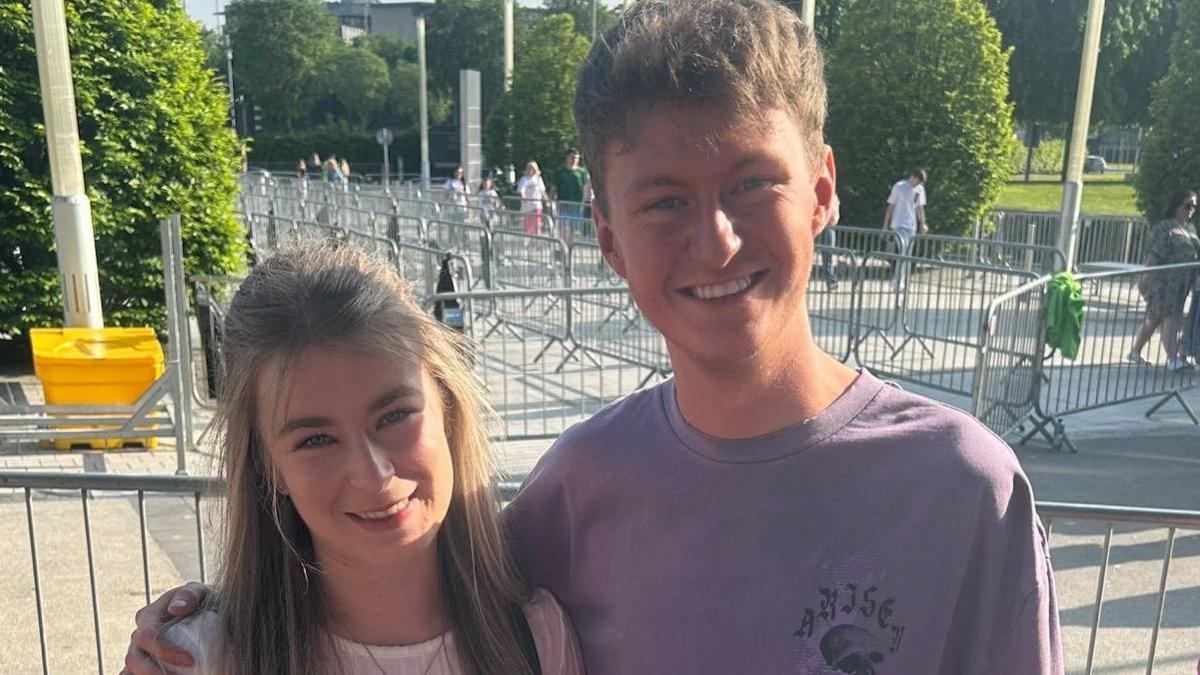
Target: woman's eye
{"x": 393, "y": 417}
{"x": 316, "y": 441}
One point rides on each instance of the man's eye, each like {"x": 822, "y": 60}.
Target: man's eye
{"x": 393, "y": 417}
{"x": 753, "y": 184}
{"x": 665, "y": 204}
{"x": 316, "y": 441}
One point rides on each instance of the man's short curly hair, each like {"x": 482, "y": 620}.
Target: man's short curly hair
{"x": 740, "y": 57}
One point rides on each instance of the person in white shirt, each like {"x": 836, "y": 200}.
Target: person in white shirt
{"x": 905, "y": 215}
{"x": 533, "y": 193}
{"x": 455, "y": 188}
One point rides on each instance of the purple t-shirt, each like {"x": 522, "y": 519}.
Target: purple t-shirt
{"x": 889, "y": 534}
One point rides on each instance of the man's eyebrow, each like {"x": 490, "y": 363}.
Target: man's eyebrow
{"x": 665, "y": 180}
{"x": 658, "y": 180}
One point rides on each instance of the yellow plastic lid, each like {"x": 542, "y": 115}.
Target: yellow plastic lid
{"x": 75, "y": 345}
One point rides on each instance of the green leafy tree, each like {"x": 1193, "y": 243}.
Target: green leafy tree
{"x": 152, "y": 125}
{"x": 828, "y": 18}
{"x": 403, "y": 103}
{"x": 390, "y": 48}
{"x": 539, "y": 105}
{"x": 280, "y": 48}
{"x": 359, "y": 80}
{"x": 1046, "y": 39}
{"x": 1171, "y": 160}
{"x": 919, "y": 83}
{"x": 581, "y": 12}
{"x": 469, "y": 34}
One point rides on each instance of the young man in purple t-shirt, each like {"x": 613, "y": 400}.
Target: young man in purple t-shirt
{"x": 768, "y": 509}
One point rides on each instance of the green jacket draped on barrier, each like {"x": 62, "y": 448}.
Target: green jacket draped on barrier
{"x": 1064, "y": 314}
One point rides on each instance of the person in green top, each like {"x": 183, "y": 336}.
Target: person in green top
{"x": 570, "y": 184}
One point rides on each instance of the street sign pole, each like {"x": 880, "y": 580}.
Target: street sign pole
{"x": 384, "y": 138}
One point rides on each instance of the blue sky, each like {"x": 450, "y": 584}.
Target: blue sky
{"x": 204, "y": 10}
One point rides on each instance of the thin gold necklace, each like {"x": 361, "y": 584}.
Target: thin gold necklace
{"x": 440, "y": 649}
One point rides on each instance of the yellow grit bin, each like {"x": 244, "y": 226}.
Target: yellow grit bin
{"x": 96, "y": 366}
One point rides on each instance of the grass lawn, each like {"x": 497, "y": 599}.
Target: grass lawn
{"x": 1102, "y": 194}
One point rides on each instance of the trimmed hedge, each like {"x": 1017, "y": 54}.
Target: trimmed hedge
{"x": 152, "y": 125}
{"x": 920, "y": 83}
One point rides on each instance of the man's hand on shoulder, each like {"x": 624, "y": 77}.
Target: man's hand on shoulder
{"x": 146, "y": 649}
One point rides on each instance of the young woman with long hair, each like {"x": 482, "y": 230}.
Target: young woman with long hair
{"x": 361, "y": 522}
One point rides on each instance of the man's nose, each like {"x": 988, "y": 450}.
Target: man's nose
{"x": 717, "y": 239}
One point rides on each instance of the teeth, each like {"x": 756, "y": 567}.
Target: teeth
{"x": 722, "y": 290}
{"x": 386, "y": 513}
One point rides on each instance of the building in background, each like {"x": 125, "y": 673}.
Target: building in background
{"x": 388, "y": 17}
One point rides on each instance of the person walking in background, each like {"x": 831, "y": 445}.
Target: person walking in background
{"x": 533, "y": 192}
{"x": 488, "y": 201}
{"x": 333, "y": 173}
{"x": 302, "y": 170}
{"x": 570, "y": 183}
{"x": 345, "y": 168}
{"x": 1171, "y": 241}
{"x": 455, "y": 188}
{"x": 905, "y": 215}
{"x": 314, "y": 165}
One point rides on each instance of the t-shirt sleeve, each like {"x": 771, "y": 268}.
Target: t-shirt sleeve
{"x": 920, "y": 190}
{"x": 894, "y": 195}
{"x": 537, "y": 525}
{"x": 1006, "y": 621}
{"x": 557, "y": 646}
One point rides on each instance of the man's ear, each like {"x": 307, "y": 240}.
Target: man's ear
{"x": 825, "y": 191}
{"x": 608, "y": 242}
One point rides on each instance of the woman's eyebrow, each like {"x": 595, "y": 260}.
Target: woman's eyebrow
{"x": 390, "y": 395}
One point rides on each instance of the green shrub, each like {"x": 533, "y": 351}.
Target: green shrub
{"x": 1171, "y": 158}
{"x": 920, "y": 83}
{"x": 152, "y": 125}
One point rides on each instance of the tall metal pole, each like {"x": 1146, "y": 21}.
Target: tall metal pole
{"x": 229, "y": 72}
{"x": 810, "y": 13}
{"x": 1073, "y": 186}
{"x": 72, "y": 213}
{"x": 593, "y": 20}
{"x": 423, "y": 93}
{"x": 508, "y": 44}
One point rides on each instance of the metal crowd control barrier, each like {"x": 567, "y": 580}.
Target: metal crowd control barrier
{"x": 588, "y": 268}
{"x": 149, "y": 416}
{"x": 473, "y": 242}
{"x": 85, "y": 532}
{"x": 922, "y": 325}
{"x": 1130, "y": 524}
{"x": 60, "y": 633}
{"x": 989, "y": 253}
{"x": 1101, "y": 375}
{"x": 1111, "y": 239}
{"x": 1101, "y": 238}
{"x": 527, "y": 261}
{"x": 832, "y": 300}
{"x": 550, "y": 358}
{"x": 1008, "y": 367}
